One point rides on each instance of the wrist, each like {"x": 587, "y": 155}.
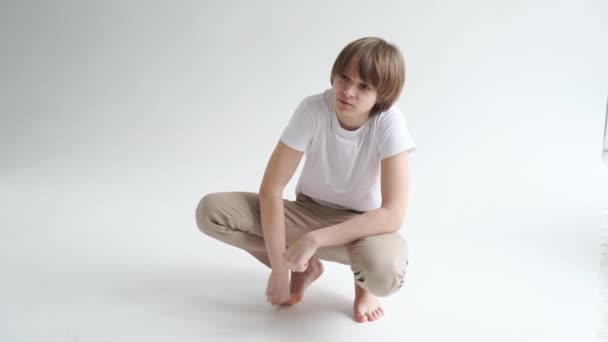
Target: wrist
{"x": 280, "y": 270}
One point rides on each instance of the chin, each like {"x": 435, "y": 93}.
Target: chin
{"x": 343, "y": 112}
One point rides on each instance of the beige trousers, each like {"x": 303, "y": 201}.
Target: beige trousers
{"x": 378, "y": 262}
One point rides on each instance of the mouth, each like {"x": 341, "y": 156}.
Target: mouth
{"x": 344, "y": 103}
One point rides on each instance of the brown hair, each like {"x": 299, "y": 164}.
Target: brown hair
{"x": 380, "y": 64}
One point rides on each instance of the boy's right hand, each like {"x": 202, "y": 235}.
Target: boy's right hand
{"x": 277, "y": 289}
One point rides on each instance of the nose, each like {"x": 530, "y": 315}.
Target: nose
{"x": 350, "y": 89}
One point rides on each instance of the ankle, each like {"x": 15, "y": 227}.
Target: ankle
{"x": 361, "y": 292}
{"x": 314, "y": 265}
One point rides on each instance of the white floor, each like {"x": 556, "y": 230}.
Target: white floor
{"x": 122, "y": 260}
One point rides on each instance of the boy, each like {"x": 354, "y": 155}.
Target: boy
{"x": 351, "y": 195}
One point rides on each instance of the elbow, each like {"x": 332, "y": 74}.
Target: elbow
{"x": 270, "y": 192}
{"x": 394, "y": 219}
{"x": 394, "y": 228}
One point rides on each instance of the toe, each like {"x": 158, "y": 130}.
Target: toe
{"x": 379, "y": 313}
{"x": 361, "y": 318}
{"x": 294, "y": 299}
{"x": 373, "y": 314}
{"x": 370, "y": 317}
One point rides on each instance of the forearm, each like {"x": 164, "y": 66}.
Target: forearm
{"x": 273, "y": 227}
{"x": 375, "y": 222}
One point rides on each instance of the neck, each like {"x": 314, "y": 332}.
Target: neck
{"x": 352, "y": 123}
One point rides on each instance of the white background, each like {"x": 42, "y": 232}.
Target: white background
{"x": 116, "y": 117}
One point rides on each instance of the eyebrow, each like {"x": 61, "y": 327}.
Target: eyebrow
{"x": 362, "y": 82}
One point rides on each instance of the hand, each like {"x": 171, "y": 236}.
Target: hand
{"x": 296, "y": 257}
{"x": 277, "y": 289}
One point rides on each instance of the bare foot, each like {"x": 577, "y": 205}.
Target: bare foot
{"x": 367, "y": 306}
{"x": 301, "y": 280}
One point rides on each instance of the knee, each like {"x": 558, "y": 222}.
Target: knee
{"x": 381, "y": 280}
{"x": 204, "y": 210}
{"x": 379, "y": 263}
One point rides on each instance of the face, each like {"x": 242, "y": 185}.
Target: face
{"x": 352, "y": 97}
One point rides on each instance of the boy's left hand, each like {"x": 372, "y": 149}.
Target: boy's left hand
{"x": 296, "y": 257}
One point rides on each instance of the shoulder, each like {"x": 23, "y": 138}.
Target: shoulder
{"x": 392, "y": 133}
{"x": 318, "y": 103}
{"x": 316, "y": 107}
{"x": 390, "y": 119}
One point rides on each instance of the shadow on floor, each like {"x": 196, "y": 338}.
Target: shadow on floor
{"x": 230, "y": 302}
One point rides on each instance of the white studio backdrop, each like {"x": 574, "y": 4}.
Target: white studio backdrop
{"x": 204, "y": 86}
{"x": 171, "y": 100}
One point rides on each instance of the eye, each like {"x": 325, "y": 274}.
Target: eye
{"x": 344, "y": 76}
{"x": 365, "y": 87}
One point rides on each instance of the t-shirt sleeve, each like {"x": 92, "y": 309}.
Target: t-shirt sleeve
{"x": 394, "y": 136}
{"x": 299, "y": 132}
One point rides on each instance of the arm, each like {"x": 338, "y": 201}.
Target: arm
{"x": 386, "y": 219}
{"x": 281, "y": 167}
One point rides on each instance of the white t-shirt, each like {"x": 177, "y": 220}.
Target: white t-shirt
{"x": 342, "y": 167}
